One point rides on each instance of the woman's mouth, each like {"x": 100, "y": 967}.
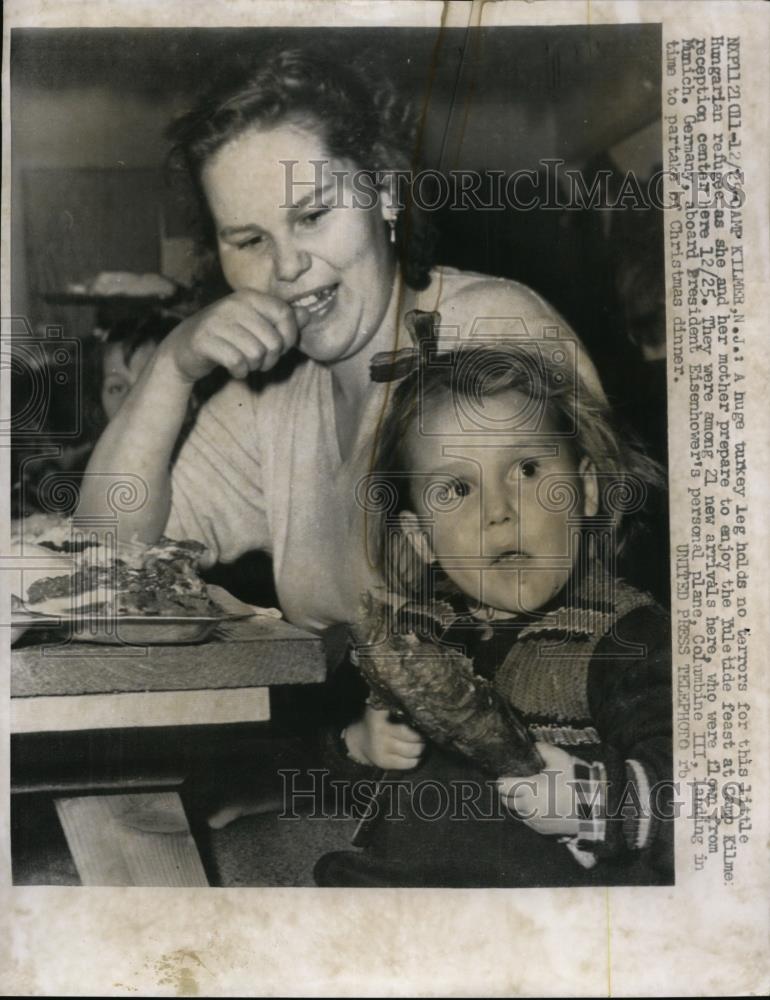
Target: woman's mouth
{"x": 318, "y": 302}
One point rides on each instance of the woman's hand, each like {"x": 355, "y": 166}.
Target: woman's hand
{"x": 548, "y": 801}
{"x": 244, "y": 332}
{"x": 375, "y": 740}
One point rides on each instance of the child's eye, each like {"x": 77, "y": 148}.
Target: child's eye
{"x": 528, "y": 469}
{"x": 445, "y": 491}
{"x": 458, "y": 488}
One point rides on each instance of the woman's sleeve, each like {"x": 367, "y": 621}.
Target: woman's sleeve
{"x": 479, "y": 307}
{"x": 629, "y": 692}
{"x": 217, "y": 478}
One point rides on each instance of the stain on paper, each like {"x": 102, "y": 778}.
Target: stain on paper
{"x": 178, "y": 969}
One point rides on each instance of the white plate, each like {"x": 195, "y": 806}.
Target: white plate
{"x": 132, "y": 630}
{"x": 138, "y": 630}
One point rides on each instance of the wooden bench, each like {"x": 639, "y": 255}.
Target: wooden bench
{"x": 123, "y": 818}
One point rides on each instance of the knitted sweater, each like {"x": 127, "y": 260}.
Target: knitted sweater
{"x": 594, "y": 679}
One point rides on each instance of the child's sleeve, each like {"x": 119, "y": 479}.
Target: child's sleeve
{"x": 629, "y": 696}
{"x": 341, "y": 701}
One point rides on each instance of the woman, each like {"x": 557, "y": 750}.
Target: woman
{"x": 274, "y": 457}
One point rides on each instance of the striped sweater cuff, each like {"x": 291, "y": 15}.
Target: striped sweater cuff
{"x": 637, "y": 829}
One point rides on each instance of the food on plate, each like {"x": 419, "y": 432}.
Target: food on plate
{"x": 128, "y": 283}
{"x": 106, "y": 579}
{"x": 58, "y": 534}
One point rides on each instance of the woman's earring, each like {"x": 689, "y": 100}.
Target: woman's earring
{"x": 392, "y": 220}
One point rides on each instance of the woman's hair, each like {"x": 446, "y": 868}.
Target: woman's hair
{"x": 356, "y": 112}
{"x": 553, "y": 391}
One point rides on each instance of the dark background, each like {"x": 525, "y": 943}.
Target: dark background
{"x": 89, "y": 192}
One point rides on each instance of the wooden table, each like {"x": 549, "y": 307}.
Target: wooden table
{"x": 129, "y": 827}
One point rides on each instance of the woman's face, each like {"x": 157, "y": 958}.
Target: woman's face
{"x": 292, "y": 230}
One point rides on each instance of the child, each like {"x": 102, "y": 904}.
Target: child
{"x": 504, "y": 475}
{"x": 112, "y": 361}
{"x": 125, "y": 350}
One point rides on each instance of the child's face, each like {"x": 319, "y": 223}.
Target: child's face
{"x": 118, "y": 377}
{"x": 500, "y": 541}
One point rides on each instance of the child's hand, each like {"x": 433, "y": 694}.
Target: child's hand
{"x": 547, "y": 801}
{"x": 392, "y": 746}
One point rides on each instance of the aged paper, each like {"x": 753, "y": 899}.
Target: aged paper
{"x": 701, "y": 159}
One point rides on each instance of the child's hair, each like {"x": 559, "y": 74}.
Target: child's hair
{"x": 130, "y": 333}
{"x": 467, "y": 376}
{"x": 32, "y": 483}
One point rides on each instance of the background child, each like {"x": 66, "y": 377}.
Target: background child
{"x": 112, "y": 361}
{"x": 122, "y": 356}
{"x": 509, "y": 483}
